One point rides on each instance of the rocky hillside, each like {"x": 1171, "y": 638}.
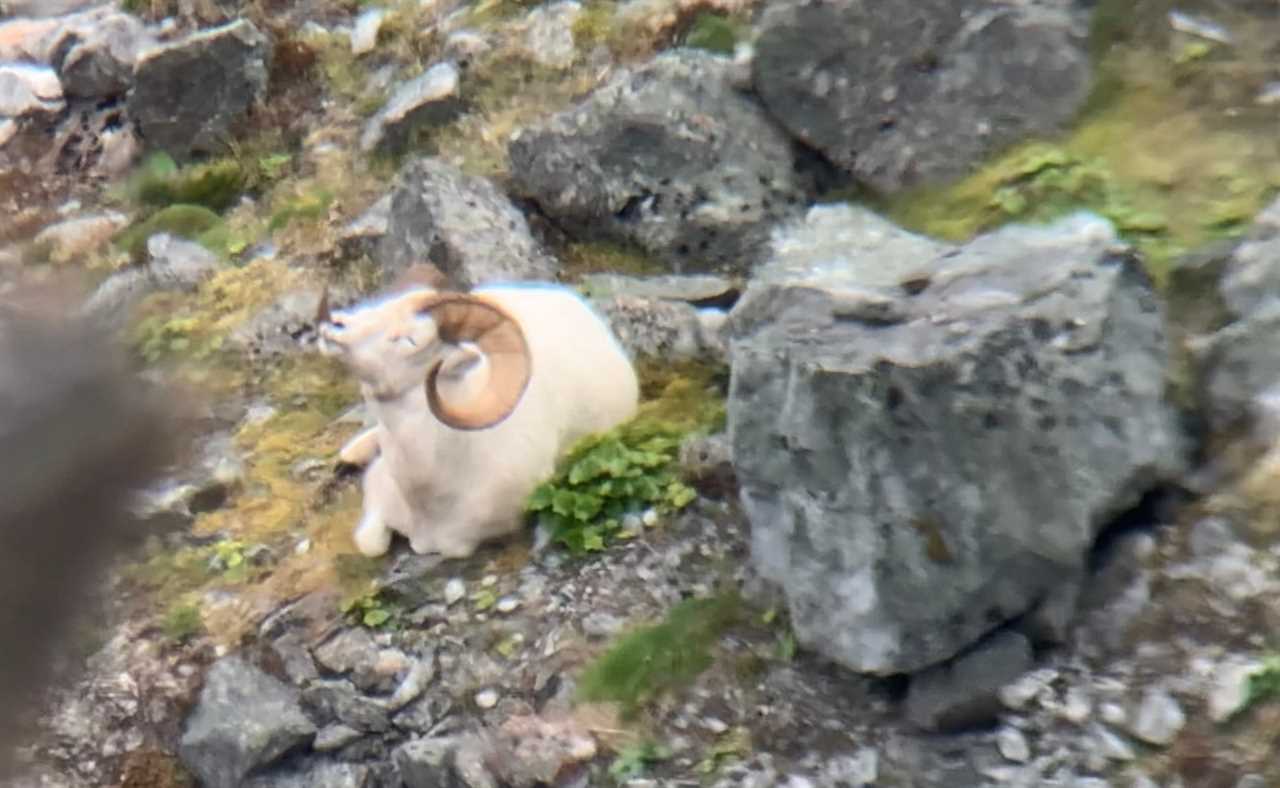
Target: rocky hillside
{"x": 957, "y": 463}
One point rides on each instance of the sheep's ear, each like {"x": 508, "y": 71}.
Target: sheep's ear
{"x": 466, "y": 318}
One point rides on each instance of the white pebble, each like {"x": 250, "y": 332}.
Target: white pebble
{"x": 487, "y": 699}
{"x": 303, "y": 547}
{"x": 489, "y": 581}
{"x": 454, "y": 590}
{"x": 1013, "y": 745}
{"x": 650, "y": 518}
{"x": 507, "y": 604}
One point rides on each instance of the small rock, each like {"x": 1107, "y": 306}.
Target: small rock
{"x": 338, "y": 701}
{"x": 1158, "y": 718}
{"x": 1113, "y": 714}
{"x": 28, "y": 91}
{"x": 507, "y": 604}
{"x": 349, "y": 649}
{"x": 964, "y": 692}
{"x": 1076, "y": 707}
{"x": 855, "y": 771}
{"x": 431, "y": 98}
{"x": 384, "y": 673}
{"x": 426, "y": 763}
{"x": 454, "y": 590}
{"x": 1229, "y": 691}
{"x": 415, "y": 682}
{"x": 1013, "y": 745}
{"x": 335, "y": 737}
{"x": 601, "y": 626}
{"x": 487, "y": 699}
{"x": 244, "y": 720}
{"x": 1110, "y": 745}
{"x": 548, "y": 34}
{"x": 364, "y": 35}
{"x": 295, "y": 658}
{"x": 464, "y": 224}
{"x": 75, "y": 238}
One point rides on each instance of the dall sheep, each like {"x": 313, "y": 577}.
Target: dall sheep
{"x": 476, "y": 396}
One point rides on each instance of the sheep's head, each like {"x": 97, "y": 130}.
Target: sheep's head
{"x": 406, "y": 339}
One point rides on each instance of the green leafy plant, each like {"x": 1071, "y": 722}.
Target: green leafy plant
{"x": 1264, "y": 682}
{"x": 372, "y": 610}
{"x": 627, "y": 470}
{"x": 632, "y": 761}
{"x": 182, "y": 621}
{"x": 660, "y": 657}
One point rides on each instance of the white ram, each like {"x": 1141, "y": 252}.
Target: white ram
{"x": 476, "y": 395}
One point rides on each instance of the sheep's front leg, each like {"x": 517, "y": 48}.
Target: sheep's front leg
{"x": 360, "y": 450}
{"x": 384, "y": 510}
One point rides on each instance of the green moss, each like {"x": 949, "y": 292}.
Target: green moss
{"x": 1155, "y": 150}
{"x": 713, "y": 32}
{"x": 612, "y": 257}
{"x": 310, "y": 206}
{"x": 662, "y": 657}
{"x": 607, "y": 477}
{"x": 215, "y": 184}
{"x": 594, "y": 25}
{"x": 192, "y": 222}
{"x": 182, "y": 621}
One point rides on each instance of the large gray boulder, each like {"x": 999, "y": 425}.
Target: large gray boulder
{"x": 1226, "y": 301}
{"x": 462, "y": 224}
{"x": 669, "y": 156}
{"x": 245, "y": 720}
{"x": 928, "y": 438}
{"x": 187, "y": 94}
{"x": 906, "y": 93}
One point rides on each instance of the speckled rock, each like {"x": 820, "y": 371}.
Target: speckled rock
{"x": 431, "y": 98}
{"x": 245, "y": 720}
{"x": 462, "y": 224}
{"x": 187, "y": 93}
{"x": 904, "y": 95}
{"x": 668, "y": 156}
{"x": 928, "y": 439}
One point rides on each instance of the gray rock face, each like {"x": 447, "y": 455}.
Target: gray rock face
{"x": 1229, "y": 303}
{"x": 29, "y": 91}
{"x": 461, "y": 223}
{"x": 668, "y": 156}
{"x": 188, "y": 93}
{"x": 101, "y": 50}
{"x": 431, "y": 98}
{"x": 426, "y": 763}
{"x": 966, "y": 692}
{"x": 929, "y": 439}
{"x": 904, "y": 94}
{"x": 245, "y": 720}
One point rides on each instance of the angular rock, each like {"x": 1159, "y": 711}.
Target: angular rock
{"x": 461, "y": 223}
{"x": 1158, "y": 719}
{"x": 188, "y": 93}
{"x": 338, "y": 701}
{"x": 317, "y": 775}
{"x": 29, "y": 91}
{"x": 346, "y": 651}
{"x": 548, "y": 34}
{"x": 928, "y": 439}
{"x": 426, "y": 763}
{"x": 966, "y": 692}
{"x": 245, "y": 720}
{"x": 1229, "y": 303}
{"x": 73, "y": 238}
{"x": 429, "y": 99}
{"x": 918, "y": 93}
{"x": 364, "y": 35}
{"x": 93, "y": 51}
{"x": 667, "y": 330}
{"x": 670, "y": 157}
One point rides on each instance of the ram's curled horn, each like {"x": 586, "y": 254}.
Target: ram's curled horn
{"x": 468, "y": 318}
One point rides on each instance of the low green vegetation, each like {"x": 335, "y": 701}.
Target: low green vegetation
{"x": 182, "y": 621}
{"x": 663, "y": 657}
{"x": 1264, "y": 683}
{"x": 372, "y": 610}
{"x": 1170, "y": 147}
{"x": 629, "y": 470}
{"x": 713, "y": 32}
{"x": 634, "y": 760}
